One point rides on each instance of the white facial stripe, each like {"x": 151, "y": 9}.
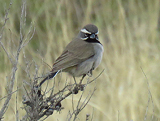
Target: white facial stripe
{"x": 85, "y": 31}
{"x": 84, "y": 38}
{"x": 97, "y": 33}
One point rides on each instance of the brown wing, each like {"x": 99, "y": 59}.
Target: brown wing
{"x": 76, "y": 52}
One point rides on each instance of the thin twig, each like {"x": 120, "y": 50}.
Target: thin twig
{"x": 149, "y": 92}
{"x": 8, "y": 94}
{"x": 96, "y": 77}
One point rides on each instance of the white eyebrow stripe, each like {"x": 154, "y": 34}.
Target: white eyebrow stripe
{"x": 97, "y": 33}
{"x": 85, "y": 31}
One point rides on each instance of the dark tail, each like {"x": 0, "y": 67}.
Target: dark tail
{"x": 51, "y": 75}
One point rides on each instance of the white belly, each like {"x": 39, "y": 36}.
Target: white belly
{"x": 98, "y": 56}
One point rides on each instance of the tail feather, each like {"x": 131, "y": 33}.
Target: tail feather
{"x": 51, "y": 75}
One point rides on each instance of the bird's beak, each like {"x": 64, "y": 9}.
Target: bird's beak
{"x": 92, "y": 36}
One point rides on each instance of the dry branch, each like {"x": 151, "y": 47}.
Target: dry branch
{"x": 39, "y": 105}
{"x": 15, "y": 60}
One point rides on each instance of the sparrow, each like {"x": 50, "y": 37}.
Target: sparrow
{"x": 81, "y": 56}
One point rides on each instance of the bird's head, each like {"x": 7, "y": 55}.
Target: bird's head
{"x": 89, "y": 33}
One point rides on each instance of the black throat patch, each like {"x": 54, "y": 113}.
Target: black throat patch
{"x": 89, "y": 40}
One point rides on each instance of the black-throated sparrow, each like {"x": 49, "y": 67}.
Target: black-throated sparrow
{"x": 82, "y": 55}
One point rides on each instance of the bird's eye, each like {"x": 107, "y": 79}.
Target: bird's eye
{"x": 86, "y": 35}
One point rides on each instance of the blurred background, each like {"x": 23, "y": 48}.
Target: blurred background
{"x": 129, "y": 31}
